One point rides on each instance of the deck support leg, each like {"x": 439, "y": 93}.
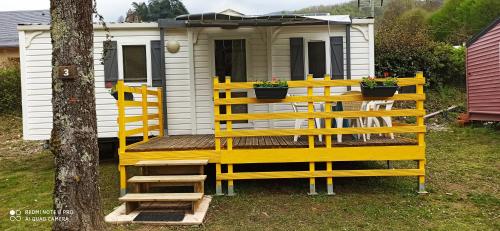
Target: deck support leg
{"x": 218, "y": 183}
{"x": 389, "y": 165}
{"x": 329, "y": 180}
{"x": 123, "y": 180}
{"x": 230, "y": 183}
{"x": 312, "y": 180}
{"x": 421, "y": 179}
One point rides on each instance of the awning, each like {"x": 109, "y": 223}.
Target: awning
{"x": 226, "y": 20}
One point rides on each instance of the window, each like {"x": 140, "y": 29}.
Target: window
{"x": 317, "y": 58}
{"x": 134, "y": 63}
{"x": 230, "y": 60}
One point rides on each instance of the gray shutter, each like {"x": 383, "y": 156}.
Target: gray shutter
{"x": 156, "y": 63}
{"x": 110, "y": 64}
{"x": 337, "y": 57}
{"x": 297, "y": 58}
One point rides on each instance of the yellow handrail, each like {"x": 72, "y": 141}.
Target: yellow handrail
{"x": 310, "y": 115}
{"x": 145, "y": 116}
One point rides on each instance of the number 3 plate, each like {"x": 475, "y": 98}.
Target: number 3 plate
{"x": 67, "y": 72}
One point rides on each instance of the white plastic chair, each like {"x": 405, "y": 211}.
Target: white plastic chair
{"x": 375, "y": 106}
{"x": 298, "y": 122}
{"x": 351, "y": 106}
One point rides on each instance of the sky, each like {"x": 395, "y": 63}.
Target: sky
{"x": 112, "y": 9}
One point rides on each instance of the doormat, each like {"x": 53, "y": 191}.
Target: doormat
{"x": 160, "y": 216}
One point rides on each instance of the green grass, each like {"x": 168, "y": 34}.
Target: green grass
{"x": 462, "y": 178}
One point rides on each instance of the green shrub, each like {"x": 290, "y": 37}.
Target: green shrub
{"x": 447, "y": 66}
{"x": 10, "y": 90}
{"x": 404, "y": 46}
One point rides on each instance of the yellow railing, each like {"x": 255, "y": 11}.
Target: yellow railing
{"x": 311, "y": 131}
{"x": 310, "y": 115}
{"x": 145, "y": 116}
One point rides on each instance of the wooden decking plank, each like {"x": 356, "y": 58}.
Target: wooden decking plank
{"x": 207, "y": 142}
{"x": 248, "y": 142}
{"x": 281, "y": 141}
{"x": 274, "y": 142}
{"x": 161, "y": 197}
{"x": 261, "y": 143}
{"x": 170, "y": 162}
{"x": 236, "y": 142}
{"x": 168, "y": 179}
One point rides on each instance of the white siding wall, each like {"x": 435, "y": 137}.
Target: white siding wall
{"x": 36, "y": 77}
{"x": 179, "y": 93}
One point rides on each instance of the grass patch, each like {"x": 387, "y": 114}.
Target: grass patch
{"x": 462, "y": 177}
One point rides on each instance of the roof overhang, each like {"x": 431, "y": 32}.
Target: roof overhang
{"x": 235, "y": 21}
{"x": 97, "y": 26}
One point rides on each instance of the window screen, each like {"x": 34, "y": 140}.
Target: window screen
{"x": 317, "y": 59}
{"x": 134, "y": 63}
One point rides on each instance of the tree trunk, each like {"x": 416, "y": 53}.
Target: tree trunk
{"x": 74, "y": 134}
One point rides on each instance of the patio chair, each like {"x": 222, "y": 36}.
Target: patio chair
{"x": 376, "y": 105}
{"x": 351, "y": 106}
{"x": 298, "y": 122}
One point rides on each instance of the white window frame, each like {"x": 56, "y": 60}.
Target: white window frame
{"x": 147, "y": 44}
{"x": 327, "y": 53}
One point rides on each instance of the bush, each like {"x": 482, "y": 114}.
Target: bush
{"x": 447, "y": 66}
{"x": 10, "y": 90}
{"x": 404, "y": 46}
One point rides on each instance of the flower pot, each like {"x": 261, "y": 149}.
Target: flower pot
{"x": 378, "y": 91}
{"x": 270, "y": 92}
{"x": 128, "y": 96}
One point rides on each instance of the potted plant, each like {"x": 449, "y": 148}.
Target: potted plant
{"x": 271, "y": 90}
{"x": 128, "y": 95}
{"x": 371, "y": 87}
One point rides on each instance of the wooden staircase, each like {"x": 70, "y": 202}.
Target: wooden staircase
{"x": 157, "y": 176}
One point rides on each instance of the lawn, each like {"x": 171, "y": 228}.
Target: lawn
{"x": 462, "y": 180}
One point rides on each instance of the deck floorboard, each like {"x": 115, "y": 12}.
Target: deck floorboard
{"x": 207, "y": 142}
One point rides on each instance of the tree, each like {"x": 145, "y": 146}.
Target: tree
{"x": 403, "y": 46}
{"x": 74, "y": 134}
{"x": 458, "y": 20}
{"x": 157, "y": 9}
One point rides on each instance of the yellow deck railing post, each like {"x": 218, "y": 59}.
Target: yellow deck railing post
{"x": 310, "y": 123}
{"x": 218, "y": 167}
{"x": 421, "y": 135}
{"x": 160, "y": 111}
{"x": 328, "y": 138}
{"x": 145, "y": 123}
{"x": 121, "y": 135}
{"x": 229, "y": 141}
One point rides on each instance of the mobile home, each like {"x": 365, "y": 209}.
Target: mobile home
{"x": 183, "y": 55}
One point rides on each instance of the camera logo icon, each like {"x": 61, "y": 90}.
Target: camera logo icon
{"x": 15, "y": 215}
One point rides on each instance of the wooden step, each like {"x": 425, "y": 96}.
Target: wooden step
{"x": 145, "y": 163}
{"x": 168, "y": 179}
{"x": 164, "y": 197}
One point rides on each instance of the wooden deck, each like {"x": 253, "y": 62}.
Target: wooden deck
{"x": 207, "y": 142}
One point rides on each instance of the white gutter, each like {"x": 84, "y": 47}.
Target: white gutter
{"x": 123, "y": 26}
